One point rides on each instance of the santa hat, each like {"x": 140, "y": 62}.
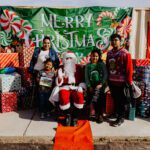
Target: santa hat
{"x": 69, "y": 54}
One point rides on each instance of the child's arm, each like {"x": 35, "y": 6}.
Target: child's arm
{"x": 38, "y": 77}
{"x": 105, "y": 74}
{"x": 59, "y": 80}
{"x": 53, "y": 79}
{"x": 129, "y": 68}
{"x": 55, "y": 71}
{"x": 87, "y": 80}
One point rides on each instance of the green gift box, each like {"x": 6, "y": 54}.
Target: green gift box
{"x": 132, "y": 111}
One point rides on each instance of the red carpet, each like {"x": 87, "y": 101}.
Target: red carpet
{"x": 74, "y": 138}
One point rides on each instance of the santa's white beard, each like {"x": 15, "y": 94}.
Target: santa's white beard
{"x": 70, "y": 69}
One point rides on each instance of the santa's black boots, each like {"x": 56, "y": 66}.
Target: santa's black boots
{"x": 67, "y": 117}
{"x": 71, "y": 117}
{"x": 75, "y": 115}
{"x": 68, "y": 120}
{"x": 99, "y": 118}
{"x": 74, "y": 122}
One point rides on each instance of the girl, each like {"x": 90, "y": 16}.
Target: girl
{"x": 95, "y": 78}
{"x": 45, "y": 79}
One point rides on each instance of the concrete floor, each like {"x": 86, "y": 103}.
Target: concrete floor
{"x": 27, "y": 123}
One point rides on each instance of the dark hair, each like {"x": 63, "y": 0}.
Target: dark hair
{"x": 46, "y": 38}
{"x": 113, "y": 36}
{"x": 99, "y": 52}
{"x": 48, "y": 60}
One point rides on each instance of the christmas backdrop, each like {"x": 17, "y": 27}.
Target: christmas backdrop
{"x": 77, "y": 29}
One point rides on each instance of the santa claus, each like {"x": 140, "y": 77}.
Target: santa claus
{"x": 69, "y": 80}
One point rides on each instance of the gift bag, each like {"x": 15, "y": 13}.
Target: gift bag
{"x": 132, "y": 111}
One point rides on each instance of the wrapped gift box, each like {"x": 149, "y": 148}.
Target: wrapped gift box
{"x": 25, "y": 77}
{"x": 141, "y": 62}
{"x": 109, "y": 103}
{"x": 143, "y": 106}
{"x": 147, "y": 92}
{"x": 132, "y": 111}
{"x": 9, "y": 60}
{"x": 10, "y": 82}
{"x": 8, "y": 101}
{"x": 142, "y": 73}
{"x": 141, "y": 69}
{"x": 25, "y": 56}
{"x": 144, "y": 109}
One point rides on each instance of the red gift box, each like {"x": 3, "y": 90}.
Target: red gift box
{"x": 9, "y": 60}
{"x": 25, "y": 56}
{"x": 109, "y": 103}
{"x": 141, "y": 62}
{"x": 8, "y": 101}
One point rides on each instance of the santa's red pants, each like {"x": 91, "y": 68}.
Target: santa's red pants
{"x": 65, "y": 96}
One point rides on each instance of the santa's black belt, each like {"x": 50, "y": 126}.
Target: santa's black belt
{"x": 74, "y": 84}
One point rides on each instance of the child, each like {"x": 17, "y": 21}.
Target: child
{"x": 95, "y": 78}
{"x": 45, "y": 79}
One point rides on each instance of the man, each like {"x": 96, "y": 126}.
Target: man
{"x": 70, "y": 75}
{"x": 120, "y": 69}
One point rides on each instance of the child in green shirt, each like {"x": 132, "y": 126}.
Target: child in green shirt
{"x": 95, "y": 78}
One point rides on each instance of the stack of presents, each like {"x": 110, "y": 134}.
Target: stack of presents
{"x": 15, "y": 81}
{"x": 141, "y": 76}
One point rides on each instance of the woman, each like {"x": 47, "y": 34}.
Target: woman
{"x": 40, "y": 55}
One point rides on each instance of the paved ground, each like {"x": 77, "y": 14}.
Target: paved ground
{"x": 24, "y": 130}
{"x": 27, "y": 123}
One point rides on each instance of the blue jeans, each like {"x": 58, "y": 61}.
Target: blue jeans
{"x": 44, "y": 104}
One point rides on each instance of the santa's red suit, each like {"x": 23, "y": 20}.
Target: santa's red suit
{"x": 70, "y": 78}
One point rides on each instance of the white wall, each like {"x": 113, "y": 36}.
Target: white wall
{"x": 138, "y": 42}
{"x": 77, "y": 3}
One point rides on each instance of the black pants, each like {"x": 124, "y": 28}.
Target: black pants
{"x": 119, "y": 99}
{"x": 100, "y": 104}
{"x": 35, "y": 86}
{"x": 44, "y": 104}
